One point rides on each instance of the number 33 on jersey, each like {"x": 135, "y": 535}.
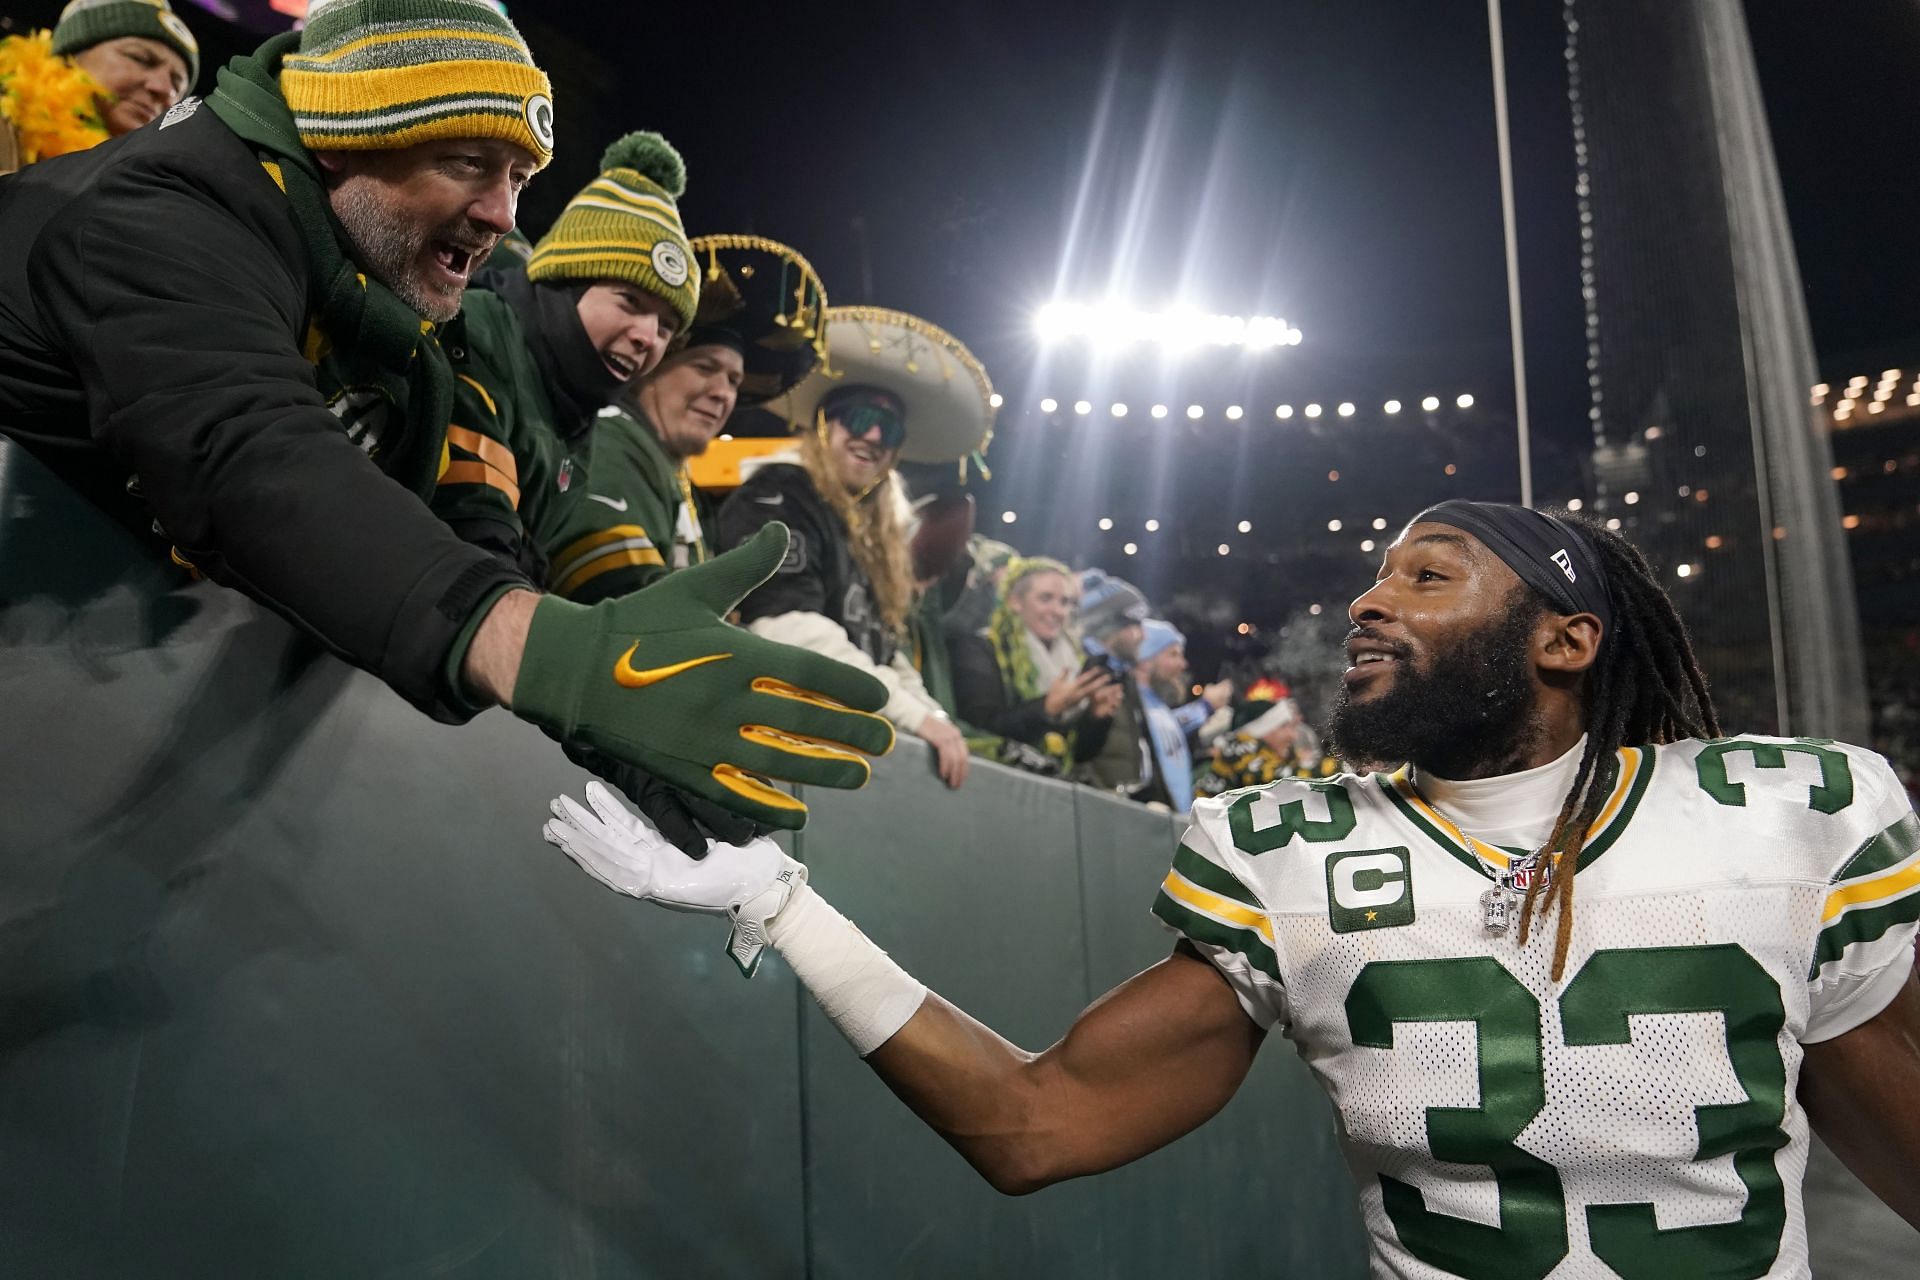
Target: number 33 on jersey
{"x": 1736, "y": 900}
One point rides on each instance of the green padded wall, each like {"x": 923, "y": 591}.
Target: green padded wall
{"x": 290, "y": 987}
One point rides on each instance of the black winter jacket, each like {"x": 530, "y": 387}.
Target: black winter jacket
{"x": 153, "y": 329}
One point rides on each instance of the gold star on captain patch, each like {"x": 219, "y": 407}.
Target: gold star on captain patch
{"x": 1373, "y": 915}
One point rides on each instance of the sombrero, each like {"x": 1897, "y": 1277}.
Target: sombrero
{"x": 947, "y": 395}
{"x": 764, "y": 300}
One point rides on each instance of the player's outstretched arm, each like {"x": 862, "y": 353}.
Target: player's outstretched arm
{"x": 1858, "y": 1089}
{"x": 1149, "y": 1061}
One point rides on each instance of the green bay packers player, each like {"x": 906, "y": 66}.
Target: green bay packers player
{"x": 1530, "y": 1081}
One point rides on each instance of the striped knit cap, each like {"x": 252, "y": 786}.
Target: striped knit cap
{"x": 385, "y": 74}
{"x": 624, "y": 225}
{"x": 85, "y": 23}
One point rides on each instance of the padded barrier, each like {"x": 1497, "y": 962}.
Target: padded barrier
{"x": 289, "y": 986}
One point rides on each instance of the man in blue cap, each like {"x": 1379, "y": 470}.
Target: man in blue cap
{"x": 1161, "y": 672}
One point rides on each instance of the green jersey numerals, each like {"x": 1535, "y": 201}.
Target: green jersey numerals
{"x": 1594, "y": 1009}
{"x": 1835, "y": 789}
{"x": 1337, "y": 825}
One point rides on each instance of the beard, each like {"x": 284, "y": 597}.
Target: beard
{"x": 1470, "y": 708}
{"x": 391, "y": 246}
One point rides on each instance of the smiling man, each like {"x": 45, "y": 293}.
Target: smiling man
{"x": 1524, "y": 1088}
{"x": 213, "y": 325}
{"x": 543, "y": 350}
{"x": 895, "y": 388}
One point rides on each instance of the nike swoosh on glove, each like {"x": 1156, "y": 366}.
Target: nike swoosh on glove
{"x": 659, "y": 679}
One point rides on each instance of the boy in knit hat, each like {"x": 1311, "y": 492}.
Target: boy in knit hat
{"x": 235, "y": 346}
{"x": 544, "y": 348}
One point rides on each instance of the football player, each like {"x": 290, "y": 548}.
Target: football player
{"x": 1618, "y": 1082}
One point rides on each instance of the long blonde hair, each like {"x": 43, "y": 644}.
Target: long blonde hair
{"x": 876, "y": 527}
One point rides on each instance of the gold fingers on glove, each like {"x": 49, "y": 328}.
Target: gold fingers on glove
{"x": 754, "y": 788}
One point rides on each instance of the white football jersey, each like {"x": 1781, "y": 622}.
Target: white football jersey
{"x": 1736, "y": 900}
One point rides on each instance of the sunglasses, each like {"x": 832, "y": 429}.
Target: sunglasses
{"x": 860, "y": 422}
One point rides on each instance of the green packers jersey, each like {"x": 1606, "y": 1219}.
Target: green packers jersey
{"x": 1736, "y": 900}
{"x": 638, "y": 518}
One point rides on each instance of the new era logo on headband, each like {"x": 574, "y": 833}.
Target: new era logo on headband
{"x": 1565, "y": 562}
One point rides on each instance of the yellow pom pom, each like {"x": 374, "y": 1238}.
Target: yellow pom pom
{"x": 52, "y": 104}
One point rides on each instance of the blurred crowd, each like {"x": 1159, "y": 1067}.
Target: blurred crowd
{"x": 1070, "y": 675}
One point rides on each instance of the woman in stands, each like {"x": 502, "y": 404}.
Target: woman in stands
{"x": 1022, "y": 676}
{"x": 106, "y": 68}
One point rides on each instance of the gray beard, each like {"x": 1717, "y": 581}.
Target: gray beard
{"x": 388, "y": 249}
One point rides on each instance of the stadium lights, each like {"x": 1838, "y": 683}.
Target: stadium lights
{"x": 1195, "y": 412}
{"x": 1313, "y": 411}
{"x": 1234, "y": 413}
{"x": 1008, "y": 517}
{"x": 1333, "y": 526}
{"x": 1379, "y": 523}
{"x": 1366, "y": 544}
{"x": 1158, "y": 411}
{"x": 1153, "y": 526}
{"x": 1106, "y": 523}
{"x": 996, "y": 399}
{"x": 1177, "y": 328}
{"x": 1130, "y": 548}
{"x": 1083, "y": 407}
{"x": 1225, "y": 549}
{"x": 1284, "y": 412}
{"x": 1465, "y": 400}
{"x": 1430, "y": 403}
{"x": 1049, "y": 405}
{"x": 1246, "y": 526}
{"x": 1346, "y": 409}
{"x": 1118, "y": 410}
{"x": 1391, "y": 406}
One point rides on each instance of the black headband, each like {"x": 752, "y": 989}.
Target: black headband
{"x": 1551, "y": 555}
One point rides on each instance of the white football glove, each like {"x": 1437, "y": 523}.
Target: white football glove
{"x": 747, "y": 883}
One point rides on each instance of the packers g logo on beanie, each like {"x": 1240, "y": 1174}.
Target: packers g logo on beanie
{"x": 385, "y": 74}
{"x": 624, "y": 225}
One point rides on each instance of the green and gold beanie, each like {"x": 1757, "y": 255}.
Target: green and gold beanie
{"x": 384, "y": 74}
{"x": 85, "y": 23}
{"x": 624, "y": 225}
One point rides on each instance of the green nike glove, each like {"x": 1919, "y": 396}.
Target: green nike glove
{"x": 659, "y": 679}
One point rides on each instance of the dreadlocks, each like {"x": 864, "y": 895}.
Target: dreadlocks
{"x": 1645, "y": 686}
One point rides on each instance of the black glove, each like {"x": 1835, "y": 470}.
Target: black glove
{"x": 685, "y": 821}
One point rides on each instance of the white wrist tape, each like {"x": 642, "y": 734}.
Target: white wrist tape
{"x": 858, "y": 985}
